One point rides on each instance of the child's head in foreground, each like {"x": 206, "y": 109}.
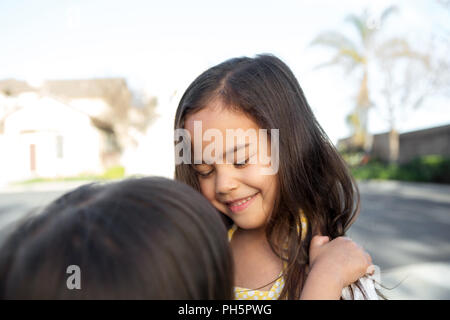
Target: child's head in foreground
{"x": 148, "y": 238}
{"x": 263, "y": 93}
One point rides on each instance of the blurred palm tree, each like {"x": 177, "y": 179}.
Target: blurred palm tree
{"x": 407, "y": 79}
{"x": 355, "y": 54}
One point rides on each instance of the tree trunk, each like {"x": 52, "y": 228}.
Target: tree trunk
{"x": 363, "y": 105}
{"x": 394, "y": 146}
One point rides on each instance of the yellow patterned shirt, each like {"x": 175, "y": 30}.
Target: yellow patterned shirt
{"x": 274, "y": 292}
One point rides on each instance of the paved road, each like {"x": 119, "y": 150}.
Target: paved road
{"x": 404, "y": 226}
{"x": 406, "y": 229}
{"x": 19, "y": 201}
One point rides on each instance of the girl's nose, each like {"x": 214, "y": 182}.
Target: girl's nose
{"x": 225, "y": 182}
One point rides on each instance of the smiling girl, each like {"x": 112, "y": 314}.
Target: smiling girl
{"x": 286, "y": 229}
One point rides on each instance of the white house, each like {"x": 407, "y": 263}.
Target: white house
{"x": 44, "y": 137}
{"x": 70, "y": 127}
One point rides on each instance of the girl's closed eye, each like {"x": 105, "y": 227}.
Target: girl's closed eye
{"x": 247, "y": 161}
{"x": 204, "y": 175}
{"x": 242, "y": 164}
{"x": 203, "y": 170}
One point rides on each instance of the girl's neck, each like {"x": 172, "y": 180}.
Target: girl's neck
{"x": 255, "y": 237}
{"x": 256, "y": 265}
{"x": 252, "y": 233}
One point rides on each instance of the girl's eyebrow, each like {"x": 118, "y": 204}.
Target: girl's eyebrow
{"x": 232, "y": 150}
{"x": 236, "y": 148}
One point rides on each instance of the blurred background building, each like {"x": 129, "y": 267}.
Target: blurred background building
{"x": 89, "y": 90}
{"x": 64, "y": 128}
{"x": 413, "y": 144}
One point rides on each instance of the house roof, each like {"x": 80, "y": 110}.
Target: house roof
{"x": 72, "y": 89}
{"x": 14, "y": 87}
{"x": 114, "y": 91}
{"x": 89, "y": 88}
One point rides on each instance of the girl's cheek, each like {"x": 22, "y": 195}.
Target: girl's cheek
{"x": 255, "y": 177}
{"x": 207, "y": 188}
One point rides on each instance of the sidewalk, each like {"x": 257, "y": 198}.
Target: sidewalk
{"x": 416, "y": 190}
{"x": 430, "y": 281}
{"x": 430, "y": 191}
{"x": 43, "y": 186}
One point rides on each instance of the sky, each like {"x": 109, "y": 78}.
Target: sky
{"x": 160, "y": 47}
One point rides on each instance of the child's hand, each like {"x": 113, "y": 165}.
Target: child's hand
{"x": 341, "y": 259}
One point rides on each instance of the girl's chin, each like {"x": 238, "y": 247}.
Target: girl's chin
{"x": 249, "y": 225}
{"x": 246, "y": 222}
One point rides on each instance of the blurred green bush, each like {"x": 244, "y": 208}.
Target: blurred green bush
{"x": 430, "y": 168}
{"x": 117, "y": 172}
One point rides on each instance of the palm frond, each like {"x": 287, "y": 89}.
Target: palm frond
{"x": 334, "y": 40}
{"x": 396, "y": 48}
{"x": 387, "y": 13}
{"x": 359, "y": 22}
{"x": 342, "y": 60}
{"x": 354, "y": 56}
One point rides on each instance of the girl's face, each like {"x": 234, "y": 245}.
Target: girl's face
{"x": 240, "y": 191}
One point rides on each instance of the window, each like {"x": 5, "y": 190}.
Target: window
{"x": 59, "y": 147}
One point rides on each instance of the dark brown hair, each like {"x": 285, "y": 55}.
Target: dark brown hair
{"x": 312, "y": 175}
{"x": 148, "y": 238}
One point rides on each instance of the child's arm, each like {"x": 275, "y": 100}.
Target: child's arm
{"x": 320, "y": 287}
{"x": 333, "y": 266}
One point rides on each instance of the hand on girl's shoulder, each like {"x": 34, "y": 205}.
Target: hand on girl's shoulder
{"x": 340, "y": 259}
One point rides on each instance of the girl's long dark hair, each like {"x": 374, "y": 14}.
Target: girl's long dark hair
{"x": 148, "y": 238}
{"x": 312, "y": 175}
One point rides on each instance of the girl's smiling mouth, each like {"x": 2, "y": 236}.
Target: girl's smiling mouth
{"x": 241, "y": 204}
